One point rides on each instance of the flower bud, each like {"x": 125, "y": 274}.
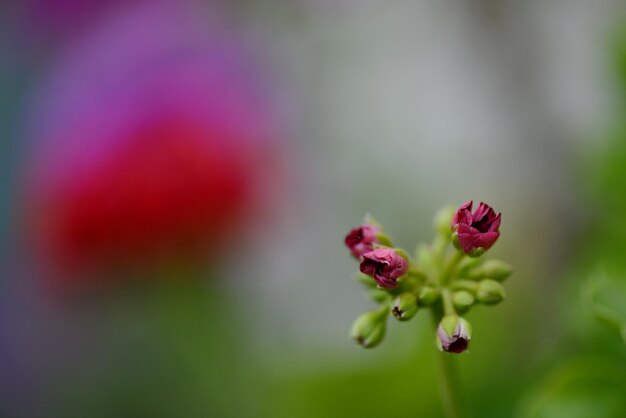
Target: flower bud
{"x": 454, "y": 334}
{"x": 361, "y": 239}
{"x": 385, "y": 266}
{"x": 428, "y": 295}
{"x": 467, "y": 265}
{"x": 490, "y": 292}
{"x": 493, "y": 269}
{"x": 463, "y": 300}
{"x": 368, "y": 330}
{"x": 405, "y": 306}
{"x": 474, "y": 233}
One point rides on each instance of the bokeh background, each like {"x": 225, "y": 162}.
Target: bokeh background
{"x": 177, "y": 178}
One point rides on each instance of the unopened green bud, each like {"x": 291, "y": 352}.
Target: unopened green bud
{"x": 466, "y": 265}
{"x": 428, "y": 295}
{"x": 379, "y": 295}
{"x": 384, "y": 239}
{"x": 443, "y": 220}
{"x": 405, "y": 306}
{"x": 490, "y": 292}
{"x": 368, "y": 330}
{"x": 495, "y": 269}
{"x": 463, "y": 300}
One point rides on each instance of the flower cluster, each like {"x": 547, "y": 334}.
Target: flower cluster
{"x": 448, "y": 276}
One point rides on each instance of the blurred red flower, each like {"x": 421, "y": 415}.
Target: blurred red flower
{"x": 154, "y": 141}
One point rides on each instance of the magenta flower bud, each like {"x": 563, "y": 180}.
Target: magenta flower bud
{"x": 385, "y": 266}
{"x": 454, "y": 339}
{"x": 476, "y": 232}
{"x": 361, "y": 239}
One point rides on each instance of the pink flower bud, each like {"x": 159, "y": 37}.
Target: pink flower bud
{"x": 476, "y": 231}
{"x": 361, "y": 239}
{"x": 458, "y": 341}
{"x": 385, "y": 266}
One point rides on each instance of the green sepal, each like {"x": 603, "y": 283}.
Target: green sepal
{"x": 384, "y": 239}
{"x": 468, "y": 327}
{"x": 449, "y": 323}
{"x": 403, "y": 254}
{"x": 477, "y": 252}
{"x": 455, "y": 241}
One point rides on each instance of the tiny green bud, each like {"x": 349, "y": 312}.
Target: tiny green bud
{"x": 490, "y": 292}
{"x": 384, "y": 239}
{"x": 377, "y": 294}
{"x": 443, "y": 219}
{"x": 368, "y": 330}
{"x": 496, "y": 270}
{"x": 405, "y": 306}
{"x": 428, "y": 295}
{"x": 466, "y": 265}
{"x": 463, "y": 300}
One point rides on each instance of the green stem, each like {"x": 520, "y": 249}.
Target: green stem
{"x": 449, "y": 387}
{"x": 448, "y": 304}
{"x": 448, "y": 270}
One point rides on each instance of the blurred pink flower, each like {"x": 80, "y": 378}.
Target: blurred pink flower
{"x": 154, "y": 141}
